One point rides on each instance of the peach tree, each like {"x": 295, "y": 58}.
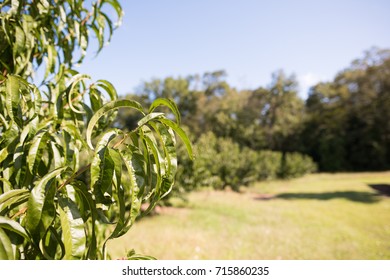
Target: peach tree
{"x": 69, "y": 179}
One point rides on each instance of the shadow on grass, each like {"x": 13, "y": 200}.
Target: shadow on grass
{"x": 363, "y": 197}
{"x": 381, "y": 188}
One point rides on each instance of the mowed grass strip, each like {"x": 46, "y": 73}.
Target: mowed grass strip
{"x": 320, "y": 216}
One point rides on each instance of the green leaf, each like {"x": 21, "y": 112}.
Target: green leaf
{"x": 115, "y": 156}
{"x": 166, "y": 102}
{"x": 102, "y": 168}
{"x": 13, "y": 198}
{"x": 37, "y": 199}
{"x": 71, "y": 90}
{"x": 73, "y": 233}
{"x": 169, "y": 145}
{"x": 6, "y": 252}
{"x": 179, "y": 131}
{"x": 37, "y": 100}
{"x": 49, "y": 208}
{"x": 149, "y": 117}
{"x": 108, "y": 87}
{"x": 104, "y": 110}
{"x": 38, "y": 144}
{"x": 6, "y": 185}
{"x": 158, "y": 162}
{"x": 49, "y": 243}
{"x": 132, "y": 255}
{"x": 82, "y": 189}
{"x": 103, "y": 187}
{"x": 3, "y": 122}
{"x": 13, "y": 98}
{"x": 134, "y": 191}
{"x": 50, "y": 60}
{"x": 116, "y": 5}
{"x": 100, "y": 38}
{"x": 13, "y": 226}
{"x": 109, "y": 23}
{"x": 119, "y": 195}
{"x": 57, "y": 157}
{"x": 74, "y": 131}
{"x": 95, "y": 97}
{"x": 20, "y": 41}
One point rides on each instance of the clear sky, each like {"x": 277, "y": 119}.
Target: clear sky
{"x": 249, "y": 39}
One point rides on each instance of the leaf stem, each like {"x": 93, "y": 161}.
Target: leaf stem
{"x": 75, "y": 175}
{"x": 20, "y": 212}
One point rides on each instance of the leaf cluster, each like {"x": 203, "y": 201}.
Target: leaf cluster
{"x": 221, "y": 163}
{"x": 51, "y": 32}
{"x": 69, "y": 180}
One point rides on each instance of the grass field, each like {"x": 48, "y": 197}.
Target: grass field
{"x": 320, "y": 216}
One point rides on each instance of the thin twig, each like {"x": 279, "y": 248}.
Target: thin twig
{"x": 20, "y": 212}
{"x": 75, "y": 175}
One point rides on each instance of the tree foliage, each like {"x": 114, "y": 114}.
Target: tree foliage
{"x": 239, "y": 136}
{"x": 347, "y": 124}
{"x": 221, "y": 163}
{"x": 343, "y": 125}
{"x": 69, "y": 181}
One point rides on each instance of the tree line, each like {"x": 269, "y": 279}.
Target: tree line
{"x": 343, "y": 125}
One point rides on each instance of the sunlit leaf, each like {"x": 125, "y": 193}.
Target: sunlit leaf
{"x": 73, "y": 234}
{"x": 72, "y": 91}
{"x": 6, "y": 251}
{"x": 149, "y": 117}
{"x": 35, "y": 152}
{"x": 168, "y": 103}
{"x": 37, "y": 199}
{"x": 13, "y": 198}
{"x": 13, "y": 98}
{"x": 13, "y": 226}
{"x": 180, "y": 132}
{"x": 106, "y": 108}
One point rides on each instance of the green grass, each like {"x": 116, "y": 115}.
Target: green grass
{"x": 320, "y": 216}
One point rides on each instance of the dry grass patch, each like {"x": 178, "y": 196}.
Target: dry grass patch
{"x": 320, "y": 216}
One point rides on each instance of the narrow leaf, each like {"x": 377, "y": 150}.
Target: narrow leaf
{"x": 12, "y": 198}
{"x": 73, "y": 234}
{"x": 179, "y": 131}
{"x": 13, "y": 98}
{"x": 49, "y": 244}
{"x": 36, "y": 200}
{"x": 166, "y": 102}
{"x": 6, "y": 252}
{"x": 102, "y": 167}
{"x": 35, "y": 152}
{"x": 149, "y": 117}
{"x": 13, "y": 226}
{"x": 71, "y": 90}
{"x": 133, "y": 190}
{"x": 106, "y": 108}
{"x": 11, "y": 194}
{"x": 82, "y": 189}
{"x": 108, "y": 87}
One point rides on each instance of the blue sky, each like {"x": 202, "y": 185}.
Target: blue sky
{"x": 249, "y": 39}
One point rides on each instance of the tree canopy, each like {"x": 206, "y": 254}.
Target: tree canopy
{"x": 343, "y": 125}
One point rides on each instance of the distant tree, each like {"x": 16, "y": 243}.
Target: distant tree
{"x": 347, "y": 125}
{"x": 324, "y": 135}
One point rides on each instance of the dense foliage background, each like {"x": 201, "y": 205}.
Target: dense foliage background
{"x": 242, "y": 136}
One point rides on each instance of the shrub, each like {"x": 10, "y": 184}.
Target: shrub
{"x": 220, "y": 162}
{"x": 295, "y": 165}
{"x": 267, "y": 164}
